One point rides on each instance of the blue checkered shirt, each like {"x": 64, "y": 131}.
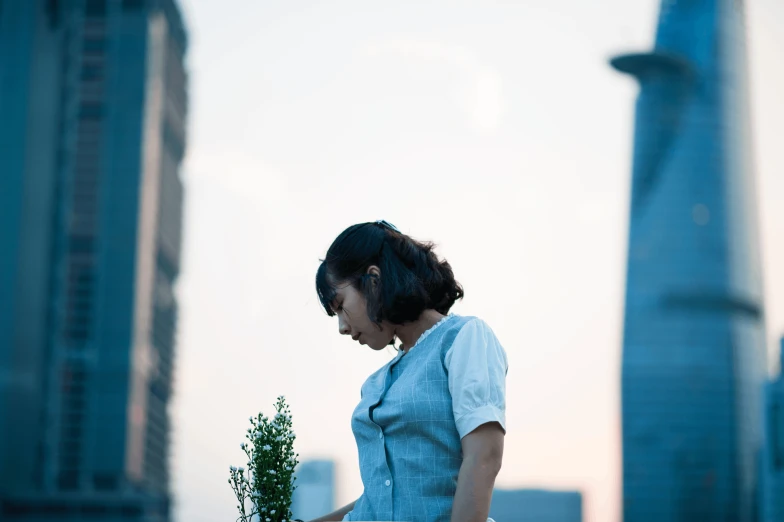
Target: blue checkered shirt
{"x": 407, "y": 438}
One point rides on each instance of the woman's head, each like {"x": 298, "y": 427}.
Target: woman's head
{"x": 374, "y": 277}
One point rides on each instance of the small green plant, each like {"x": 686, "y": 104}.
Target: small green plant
{"x": 266, "y": 487}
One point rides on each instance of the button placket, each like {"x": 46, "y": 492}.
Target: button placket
{"x": 375, "y": 404}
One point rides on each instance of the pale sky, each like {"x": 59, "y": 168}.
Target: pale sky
{"x": 495, "y": 129}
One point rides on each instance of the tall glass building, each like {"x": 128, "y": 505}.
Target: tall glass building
{"x": 93, "y": 105}
{"x": 315, "y": 493}
{"x": 536, "y": 505}
{"x": 773, "y": 455}
{"x": 694, "y": 338}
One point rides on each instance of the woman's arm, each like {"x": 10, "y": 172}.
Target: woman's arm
{"x": 483, "y": 450}
{"x": 336, "y": 515}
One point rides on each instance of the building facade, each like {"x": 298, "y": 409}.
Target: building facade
{"x": 773, "y": 455}
{"x": 315, "y": 493}
{"x": 93, "y": 105}
{"x": 533, "y": 505}
{"x": 694, "y": 356}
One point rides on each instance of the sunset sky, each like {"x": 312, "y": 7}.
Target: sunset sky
{"x": 495, "y": 129}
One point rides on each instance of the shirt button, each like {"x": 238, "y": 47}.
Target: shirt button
{"x": 388, "y": 482}
{"x": 381, "y": 435}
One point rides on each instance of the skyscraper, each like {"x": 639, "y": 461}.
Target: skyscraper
{"x": 92, "y": 132}
{"x": 694, "y": 337}
{"x": 534, "y": 505}
{"x": 773, "y": 455}
{"x": 315, "y": 493}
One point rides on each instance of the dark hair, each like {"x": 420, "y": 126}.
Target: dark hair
{"x": 412, "y": 279}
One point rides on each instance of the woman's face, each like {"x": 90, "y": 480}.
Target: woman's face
{"x": 350, "y": 306}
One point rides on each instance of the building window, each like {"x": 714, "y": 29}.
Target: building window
{"x": 777, "y": 436}
{"x": 94, "y": 45}
{"x": 131, "y": 510}
{"x": 105, "y": 482}
{"x": 132, "y": 5}
{"x": 68, "y": 481}
{"x": 95, "y": 509}
{"x": 90, "y": 111}
{"x": 92, "y": 72}
{"x": 95, "y": 8}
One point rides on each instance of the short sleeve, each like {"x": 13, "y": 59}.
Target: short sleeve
{"x": 476, "y": 364}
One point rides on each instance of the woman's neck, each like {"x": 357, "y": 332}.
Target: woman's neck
{"x": 409, "y": 333}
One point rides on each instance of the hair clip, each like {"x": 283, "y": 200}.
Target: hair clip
{"x": 388, "y": 225}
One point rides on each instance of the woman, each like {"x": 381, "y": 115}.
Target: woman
{"x": 430, "y": 424}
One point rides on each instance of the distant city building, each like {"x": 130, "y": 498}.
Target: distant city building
{"x": 773, "y": 455}
{"x": 532, "y": 505}
{"x": 694, "y": 349}
{"x": 93, "y": 105}
{"x": 315, "y": 493}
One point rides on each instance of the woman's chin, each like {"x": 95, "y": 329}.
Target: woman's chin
{"x": 376, "y": 346}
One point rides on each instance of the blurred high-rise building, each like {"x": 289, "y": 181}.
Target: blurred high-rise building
{"x": 773, "y": 454}
{"x": 93, "y": 104}
{"x": 315, "y": 493}
{"x": 694, "y": 352}
{"x": 533, "y": 505}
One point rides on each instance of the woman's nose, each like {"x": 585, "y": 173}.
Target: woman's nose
{"x": 343, "y": 328}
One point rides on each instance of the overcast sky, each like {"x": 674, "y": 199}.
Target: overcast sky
{"x": 496, "y": 129}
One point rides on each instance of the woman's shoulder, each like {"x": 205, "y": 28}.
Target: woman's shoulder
{"x": 471, "y": 330}
{"x": 467, "y": 323}
{"x": 475, "y": 341}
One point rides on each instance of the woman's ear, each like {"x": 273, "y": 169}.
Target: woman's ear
{"x": 373, "y": 270}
